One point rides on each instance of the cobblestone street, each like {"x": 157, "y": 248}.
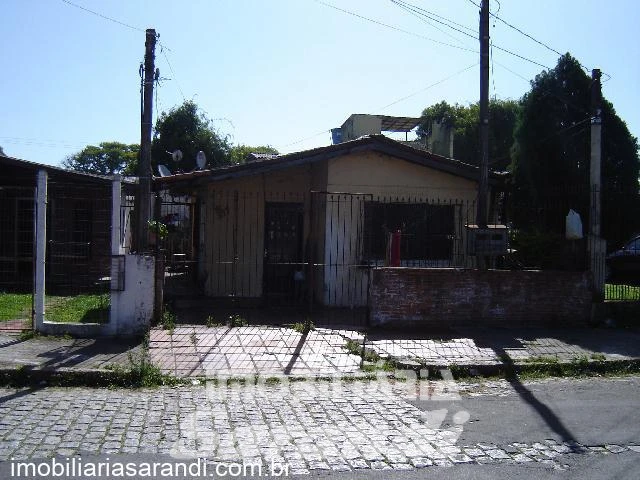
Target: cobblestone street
{"x": 309, "y": 425}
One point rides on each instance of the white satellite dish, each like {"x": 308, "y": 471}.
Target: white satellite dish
{"x": 177, "y": 156}
{"x": 201, "y": 160}
{"x": 164, "y": 171}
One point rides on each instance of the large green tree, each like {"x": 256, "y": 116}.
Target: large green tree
{"x": 464, "y": 120}
{"x": 551, "y": 155}
{"x": 188, "y": 129}
{"x": 108, "y": 158}
{"x": 239, "y": 153}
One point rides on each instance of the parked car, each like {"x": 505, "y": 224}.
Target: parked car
{"x": 624, "y": 264}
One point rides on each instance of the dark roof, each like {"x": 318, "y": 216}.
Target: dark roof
{"x": 376, "y": 143}
{"x": 17, "y": 164}
{"x": 398, "y": 124}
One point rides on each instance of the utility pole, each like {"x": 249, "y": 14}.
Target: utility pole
{"x": 597, "y": 246}
{"x": 596, "y": 152}
{"x": 481, "y": 216}
{"x": 143, "y": 199}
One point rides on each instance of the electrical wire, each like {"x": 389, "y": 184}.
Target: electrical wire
{"x": 103, "y": 16}
{"x": 427, "y": 17}
{"x": 428, "y": 87}
{"x": 162, "y": 50}
{"x": 566, "y": 102}
{"x": 390, "y": 104}
{"x": 392, "y": 27}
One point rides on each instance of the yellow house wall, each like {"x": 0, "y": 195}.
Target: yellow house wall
{"x": 232, "y": 246}
{"x": 232, "y": 221}
{"x": 382, "y": 178}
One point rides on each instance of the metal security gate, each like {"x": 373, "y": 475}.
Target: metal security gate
{"x": 16, "y": 257}
{"x": 283, "y": 250}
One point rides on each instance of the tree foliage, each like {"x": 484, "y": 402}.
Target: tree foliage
{"x": 188, "y": 129}
{"x": 239, "y": 153}
{"x": 551, "y": 154}
{"x": 464, "y": 120}
{"x": 108, "y": 158}
{"x": 2, "y": 151}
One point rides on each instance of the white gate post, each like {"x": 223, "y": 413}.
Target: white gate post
{"x": 116, "y": 192}
{"x": 40, "y": 240}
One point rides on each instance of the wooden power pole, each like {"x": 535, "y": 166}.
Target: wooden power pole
{"x": 143, "y": 199}
{"x": 482, "y": 212}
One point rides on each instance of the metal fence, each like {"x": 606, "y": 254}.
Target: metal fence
{"x": 314, "y": 248}
{"x": 538, "y": 235}
{"x": 78, "y": 253}
{"x": 16, "y": 257}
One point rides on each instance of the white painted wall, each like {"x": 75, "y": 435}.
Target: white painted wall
{"x": 132, "y": 309}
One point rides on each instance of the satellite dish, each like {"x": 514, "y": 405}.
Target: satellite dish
{"x": 177, "y": 156}
{"x": 163, "y": 170}
{"x": 201, "y": 160}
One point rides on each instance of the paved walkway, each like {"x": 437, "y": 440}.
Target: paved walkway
{"x": 218, "y": 351}
{"x": 200, "y": 351}
{"x": 55, "y": 353}
{"x": 305, "y": 425}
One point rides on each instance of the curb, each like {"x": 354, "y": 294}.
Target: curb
{"x": 20, "y": 376}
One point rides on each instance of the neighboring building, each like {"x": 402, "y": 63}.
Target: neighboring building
{"x": 78, "y": 227}
{"x": 308, "y": 226}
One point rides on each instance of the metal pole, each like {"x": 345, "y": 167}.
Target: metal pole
{"x": 597, "y": 245}
{"x": 481, "y": 218}
{"x": 143, "y": 198}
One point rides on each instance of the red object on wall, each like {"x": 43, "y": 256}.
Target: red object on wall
{"x": 394, "y": 260}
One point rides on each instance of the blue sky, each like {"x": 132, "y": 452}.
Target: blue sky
{"x": 281, "y": 72}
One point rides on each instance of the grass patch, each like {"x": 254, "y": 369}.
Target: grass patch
{"x": 168, "y": 320}
{"x": 304, "y": 327}
{"x": 621, "y": 293}
{"x": 356, "y": 348}
{"x": 541, "y": 359}
{"x": 86, "y": 308}
{"x": 237, "y": 321}
{"x": 141, "y": 373}
{"x": 211, "y": 322}
{"x": 15, "y": 306}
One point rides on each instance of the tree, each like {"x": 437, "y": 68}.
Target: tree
{"x": 464, "y": 120}
{"x": 189, "y": 130}
{"x": 2, "y": 151}
{"x": 239, "y": 153}
{"x": 108, "y": 158}
{"x": 551, "y": 155}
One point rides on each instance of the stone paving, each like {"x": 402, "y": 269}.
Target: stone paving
{"x": 202, "y": 351}
{"x": 198, "y": 351}
{"x": 55, "y": 353}
{"x": 307, "y": 425}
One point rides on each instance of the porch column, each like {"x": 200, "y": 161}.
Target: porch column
{"x": 40, "y": 241}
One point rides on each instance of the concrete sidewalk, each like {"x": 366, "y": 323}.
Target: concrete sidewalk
{"x": 200, "y": 351}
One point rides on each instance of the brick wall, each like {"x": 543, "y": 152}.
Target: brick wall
{"x": 457, "y": 298}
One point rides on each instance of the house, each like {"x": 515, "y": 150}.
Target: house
{"x": 307, "y": 226}
{"x": 78, "y": 227}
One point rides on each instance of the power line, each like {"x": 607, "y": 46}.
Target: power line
{"x": 430, "y": 15}
{"x": 103, "y": 16}
{"x": 162, "y": 50}
{"x": 429, "y": 86}
{"x": 570, "y": 104}
{"x": 392, "y": 27}
{"x": 425, "y": 17}
{"x": 392, "y": 103}
{"x": 510, "y": 52}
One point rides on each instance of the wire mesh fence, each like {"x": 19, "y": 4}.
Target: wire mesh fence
{"x": 16, "y": 257}
{"x": 78, "y": 254}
